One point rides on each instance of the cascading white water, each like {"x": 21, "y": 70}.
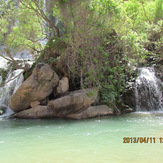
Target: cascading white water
{"x": 13, "y": 79}
{"x": 148, "y": 91}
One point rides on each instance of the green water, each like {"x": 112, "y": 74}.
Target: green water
{"x": 97, "y": 140}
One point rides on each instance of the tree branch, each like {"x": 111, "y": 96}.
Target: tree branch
{"x": 146, "y": 13}
{"x": 7, "y": 50}
{"x": 14, "y": 78}
{"x": 41, "y": 13}
{"x": 5, "y": 58}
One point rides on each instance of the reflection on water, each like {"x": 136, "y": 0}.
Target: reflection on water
{"x": 97, "y": 140}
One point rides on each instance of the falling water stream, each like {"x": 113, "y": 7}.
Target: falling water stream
{"x": 11, "y": 84}
{"x": 148, "y": 90}
{"x": 13, "y": 79}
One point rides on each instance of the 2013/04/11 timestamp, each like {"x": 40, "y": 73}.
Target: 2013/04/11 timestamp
{"x": 142, "y": 140}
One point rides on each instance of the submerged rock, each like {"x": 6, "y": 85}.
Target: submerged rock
{"x": 36, "y": 88}
{"x": 93, "y": 111}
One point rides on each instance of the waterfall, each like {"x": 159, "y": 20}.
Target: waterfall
{"x": 13, "y": 79}
{"x": 148, "y": 91}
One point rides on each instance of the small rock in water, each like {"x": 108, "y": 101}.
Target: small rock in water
{"x": 129, "y": 110}
{"x": 1, "y": 112}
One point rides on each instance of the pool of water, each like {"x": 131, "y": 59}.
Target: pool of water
{"x": 98, "y": 140}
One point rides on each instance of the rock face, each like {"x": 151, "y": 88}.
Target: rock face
{"x": 36, "y": 88}
{"x": 93, "y": 111}
{"x": 129, "y": 96}
{"x": 73, "y": 102}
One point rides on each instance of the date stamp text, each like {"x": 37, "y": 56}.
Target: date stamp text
{"x": 142, "y": 140}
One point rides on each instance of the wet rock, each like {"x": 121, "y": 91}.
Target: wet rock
{"x": 93, "y": 111}
{"x": 73, "y": 102}
{"x": 128, "y": 110}
{"x": 36, "y": 88}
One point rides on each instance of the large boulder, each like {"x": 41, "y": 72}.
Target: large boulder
{"x": 73, "y": 102}
{"x": 74, "y": 105}
{"x": 93, "y": 111}
{"x": 34, "y": 113}
{"x": 36, "y": 88}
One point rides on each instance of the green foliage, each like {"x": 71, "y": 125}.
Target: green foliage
{"x": 158, "y": 10}
{"x": 110, "y": 75}
{"x": 26, "y": 75}
{"x": 91, "y": 93}
{"x": 103, "y": 37}
{"x": 53, "y": 60}
{"x": 20, "y": 27}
